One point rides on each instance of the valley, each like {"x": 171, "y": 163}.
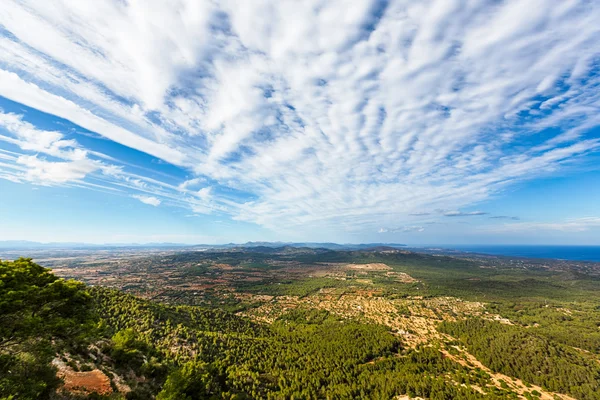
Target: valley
{"x": 419, "y": 304}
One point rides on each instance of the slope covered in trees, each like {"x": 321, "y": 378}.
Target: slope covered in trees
{"x": 182, "y": 352}
{"x": 306, "y": 354}
{"x": 517, "y": 352}
{"x": 39, "y": 315}
{"x": 150, "y": 350}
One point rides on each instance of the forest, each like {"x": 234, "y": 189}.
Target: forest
{"x": 149, "y": 349}
{"x": 528, "y": 356}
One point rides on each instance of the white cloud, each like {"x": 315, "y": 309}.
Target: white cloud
{"x": 27, "y": 137}
{"x": 324, "y": 115}
{"x": 569, "y": 225}
{"x": 73, "y": 163}
{"x": 402, "y": 229}
{"x": 204, "y": 193}
{"x": 462, "y": 213}
{"x": 185, "y": 185}
{"x": 150, "y": 200}
{"x": 45, "y": 172}
{"x": 16, "y": 89}
{"x": 68, "y": 163}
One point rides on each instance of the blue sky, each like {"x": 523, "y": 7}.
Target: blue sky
{"x": 445, "y": 121}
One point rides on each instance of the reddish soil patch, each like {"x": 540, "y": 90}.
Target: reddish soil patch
{"x": 83, "y": 382}
{"x": 87, "y": 382}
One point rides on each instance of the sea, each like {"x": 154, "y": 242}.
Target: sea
{"x": 574, "y": 253}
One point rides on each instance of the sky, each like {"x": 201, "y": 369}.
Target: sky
{"x": 351, "y": 121}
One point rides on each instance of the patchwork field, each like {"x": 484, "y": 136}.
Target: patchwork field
{"x": 536, "y": 316}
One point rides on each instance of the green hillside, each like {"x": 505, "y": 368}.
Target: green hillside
{"x": 147, "y": 349}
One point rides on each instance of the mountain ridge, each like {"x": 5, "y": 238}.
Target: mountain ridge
{"x": 26, "y": 244}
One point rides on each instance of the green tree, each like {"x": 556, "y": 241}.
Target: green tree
{"x": 36, "y": 304}
{"x": 38, "y": 313}
{"x": 194, "y": 381}
{"x": 127, "y": 349}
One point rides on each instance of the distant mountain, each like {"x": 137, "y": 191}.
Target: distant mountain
{"x": 324, "y": 245}
{"x": 26, "y": 244}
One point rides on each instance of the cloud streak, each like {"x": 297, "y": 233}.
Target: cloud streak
{"x": 569, "y": 225}
{"x": 150, "y": 200}
{"x": 307, "y": 115}
{"x": 403, "y": 229}
{"x": 462, "y": 213}
{"x": 505, "y": 217}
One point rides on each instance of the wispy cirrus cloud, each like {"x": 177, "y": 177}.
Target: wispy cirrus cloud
{"x": 402, "y": 229}
{"x": 46, "y": 172}
{"x": 455, "y": 213}
{"x": 568, "y": 225}
{"x": 71, "y": 162}
{"x": 150, "y": 200}
{"x": 310, "y": 114}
